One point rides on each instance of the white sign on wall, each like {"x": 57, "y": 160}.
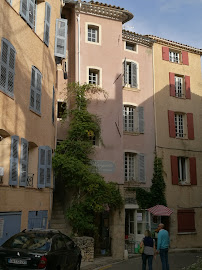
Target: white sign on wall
{"x": 104, "y": 166}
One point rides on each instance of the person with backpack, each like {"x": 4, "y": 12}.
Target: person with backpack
{"x": 149, "y": 250}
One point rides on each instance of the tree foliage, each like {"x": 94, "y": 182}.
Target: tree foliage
{"x": 73, "y": 165}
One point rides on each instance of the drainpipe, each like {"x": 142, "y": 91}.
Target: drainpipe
{"x": 79, "y": 45}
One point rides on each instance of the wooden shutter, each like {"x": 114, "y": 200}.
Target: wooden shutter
{"x": 171, "y": 122}
{"x": 193, "y": 175}
{"x": 190, "y": 126}
{"x": 165, "y": 53}
{"x": 61, "y": 38}
{"x": 23, "y": 162}
{"x": 31, "y": 13}
{"x": 42, "y": 167}
{"x": 125, "y": 72}
{"x": 35, "y": 90}
{"x": 141, "y": 119}
{"x": 174, "y": 169}
{"x": 187, "y": 87}
{"x": 53, "y": 106}
{"x": 186, "y": 220}
{"x": 48, "y": 166}
{"x": 141, "y": 167}
{"x": 13, "y": 178}
{"x": 47, "y": 23}
{"x": 134, "y": 75}
{"x": 172, "y": 83}
{"x": 24, "y": 8}
{"x": 185, "y": 58}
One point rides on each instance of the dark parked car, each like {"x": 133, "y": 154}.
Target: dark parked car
{"x": 40, "y": 249}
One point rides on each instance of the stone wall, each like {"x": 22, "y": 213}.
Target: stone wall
{"x": 86, "y": 244}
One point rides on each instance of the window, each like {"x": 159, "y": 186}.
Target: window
{"x": 61, "y": 38}
{"x": 27, "y": 11}
{"x": 130, "y": 46}
{"x": 35, "y": 90}
{"x": 179, "y": 125}
{"x": 93, "y": 138}
{"x": 134, "y": 167}
{"x": 44, "y": 166}
{"x": 175, "y": 56}
{"x": 24, "y": 162}
{"x": 13, "y": 178}
{"x": 130, "y": 74}
{"x": 93, "y": 33}
{"x": 142, "y": 221}
{"x": 47, "y": 23}
{"x": 7, "y": 67}
{"x": 179, "y": 86}
{"x": 186, "y": 221}
{"x": 183, "y": 170}
{"x": 53, "y": 106}
{"x": 94, "y": 76}
{"x": 62, "y": 107}
{"x": 133, "y": 118}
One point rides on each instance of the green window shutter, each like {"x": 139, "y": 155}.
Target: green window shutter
{"x": 61, "y": 38}
{"x": 53, "y": 106}
{"x": 141, "y": 167}
{"x": 7, "y": 67}
{"x": 42, "y": 167}
{"x": 13, "y": 177}
{"x": 47, "y": 23}
{"x": 134, "y": 75}
{"x": 48, "y": 166}
{"x": 35, "y": 90}
{"x": 141, "y": 119}
{"x": 23, "y": 162}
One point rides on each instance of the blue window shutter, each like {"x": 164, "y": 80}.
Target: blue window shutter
{"x": 61, "y": 38}
{"x": 141, "y": 167}
{"x": 48, "y": 166}
{"x": 24, "y": 8}
{"x": 134, "y": 75}
{"x": 35, "y": 90}
{"x": 125, "y": 72}
{"x": 42, "y": 167}
{"x": 9, "y": 1}
{"x": 141, "y": 119}
{"x": 7, "y": 67}
{"x": 31, "y": 13}
{"x": 23, "y": 162}
{"x": 13, "y": 178}
{"x": 53, "y": 106}
{"x": 47, "y": 23}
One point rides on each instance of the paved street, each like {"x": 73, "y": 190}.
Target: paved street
{"x": 177, "y": 261}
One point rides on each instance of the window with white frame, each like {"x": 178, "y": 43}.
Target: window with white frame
{"x": 130, "y": 46}
{"x": 94, "y": 76}
{"x": 174, "y": 57}
{"x": 130, "y": 164}
{"x": 133, "y": 118}
{"x": 179, "y": 125}
{"x": 93, "y": 33}
{"x": 179, "y": 91}
{"x": 130, "y": 74}
{"x": 182, "y": 169}
{"x": 142, "y": 221}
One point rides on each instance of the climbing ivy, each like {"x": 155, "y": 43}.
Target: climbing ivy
{"x": 73, "y": 164}
{"x": 156, "y": 195}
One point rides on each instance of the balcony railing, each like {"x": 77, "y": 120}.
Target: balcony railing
{"x": 30, "y": 179}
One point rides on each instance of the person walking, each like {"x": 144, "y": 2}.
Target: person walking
{"x": 163, "y": 243}
{"x": 149, "y": 250}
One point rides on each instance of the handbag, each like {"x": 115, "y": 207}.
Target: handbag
{"x": 141, "y": 249}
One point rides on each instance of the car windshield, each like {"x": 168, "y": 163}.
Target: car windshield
{"x": 30, "y": 241}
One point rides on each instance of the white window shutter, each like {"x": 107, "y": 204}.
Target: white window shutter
{"x": 133, "y": 74}
{"x": 42, "y": 167}
{"x": 141, "y": 167}
{"x": 13, "y": 177}
{"x": 47, "y": 23}
{"x": 141, "y": 119}
{"x": 23, "y": 162}
{"x": 61, "y": 38}
{"x": 48, "y": 166}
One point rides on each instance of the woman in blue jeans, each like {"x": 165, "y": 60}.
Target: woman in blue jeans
{"x": 149, "y": 250}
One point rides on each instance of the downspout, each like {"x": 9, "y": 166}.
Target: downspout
{"x": 154, "y": 100}
{"x": 79, "y": 45}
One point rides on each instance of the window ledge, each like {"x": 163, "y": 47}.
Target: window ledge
{"x": 131, "y": 89}
{"x": 131, "y": 133}
{"x": 184, "y": 184}
{"x": 184, "y": 233}
{"x": 37, "y": 113}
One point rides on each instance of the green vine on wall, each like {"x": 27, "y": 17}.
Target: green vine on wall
{"x": 156, "y": 195}
{"x": 72, "y": 163}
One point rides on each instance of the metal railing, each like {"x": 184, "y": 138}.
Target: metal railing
{"x": 30, "y": 178}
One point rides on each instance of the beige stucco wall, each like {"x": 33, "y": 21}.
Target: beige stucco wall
{"x": 179, "y": 197}
{"x": 17, "y": 118}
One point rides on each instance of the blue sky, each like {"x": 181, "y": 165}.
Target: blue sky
{"x": 177, "y": 20}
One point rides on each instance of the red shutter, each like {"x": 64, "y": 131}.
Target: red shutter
{"x": 171, "y": 122}
{"x": 174, "y": 170}
{"x": 187, "y": 87}
{"x": 190, "y": 126}
{"x": 165, "y": 53}
{"x": 186, "y": 220}
{"x": 185, "y": 58}
{"x": 192, "y": 169}
{"x": 172, "y": 84}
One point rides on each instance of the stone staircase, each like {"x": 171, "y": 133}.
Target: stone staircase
{"x": 58, "y": 221}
